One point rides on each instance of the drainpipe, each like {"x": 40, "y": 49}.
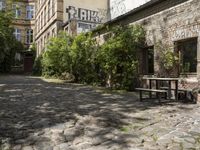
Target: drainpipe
{"x": 108, "y": 11}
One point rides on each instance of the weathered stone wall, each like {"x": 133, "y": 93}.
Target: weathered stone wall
{"x": 174, "y": 24}
{"x": 168, "y": 21}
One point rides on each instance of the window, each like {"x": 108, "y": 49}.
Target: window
{"x": 148, "y": 60}
{"x": 17, "y": 10}
{"x": 84, "y": 27}
{"x": 17, "y": 34}
{"x": 2, "y": 5}
{"x": 188, "y": 55}
{"x": 30, "y": 12}
{"x": 29, "y": 36}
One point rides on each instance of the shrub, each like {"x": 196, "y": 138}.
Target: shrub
{"x": 83, "y": 54}
{"x": 118, "y": 56}
{"x": 81, "y": 59}
{"x": 37, "y": 67}
{"x": 56, "y": 58}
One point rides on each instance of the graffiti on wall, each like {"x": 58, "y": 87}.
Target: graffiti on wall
{"x": 86, "y": 19}
{"x": 85, "y": 14}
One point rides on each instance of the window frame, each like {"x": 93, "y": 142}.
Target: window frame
{"x": 30, "y": 12}
{"x": 29, "y": 36}
{"x": 145, "y": 60}
{"x": 17, "y": 34}
{"x": 17, "y": 10}
{"x": 181, "y": 43}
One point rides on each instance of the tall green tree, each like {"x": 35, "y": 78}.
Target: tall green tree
{"x": 118, "y": 55}
{"x": 9, "y": 45}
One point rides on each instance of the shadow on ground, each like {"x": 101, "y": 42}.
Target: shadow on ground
{"x": 31, "y": 110}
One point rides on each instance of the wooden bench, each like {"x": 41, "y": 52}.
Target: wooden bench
{"x": 185, "y": 91}
{"x": 158, "y": 91}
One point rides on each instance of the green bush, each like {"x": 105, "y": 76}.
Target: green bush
{"x": 8, "y": 44}
{"x": 37, "y": 67}
{"x": 83, "y": 54}
{"x": 118, "y": 56}
{"x": 80, "y": 58}
{"x": 56, "y": 58}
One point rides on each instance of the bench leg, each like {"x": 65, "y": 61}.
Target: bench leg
{"x": 140, "y": 95}
{"x": 159, "y": 97}
{"x": 165, "y": 95}
{"x": 185, "y": 95}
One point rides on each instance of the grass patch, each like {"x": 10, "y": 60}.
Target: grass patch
{"x": 53, "y": 80}
{"x": 131, "y": 127}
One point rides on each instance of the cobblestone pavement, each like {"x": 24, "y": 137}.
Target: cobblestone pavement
{"x": 36, "y": 115}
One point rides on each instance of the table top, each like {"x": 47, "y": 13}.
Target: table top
{"x": 161, "y": 79}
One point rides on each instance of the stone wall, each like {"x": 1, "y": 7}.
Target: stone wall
{"x": 167, "y": 21}
{"x": 174, "y": 24}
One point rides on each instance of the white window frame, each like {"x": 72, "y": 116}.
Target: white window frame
{"x": 17, "y": 34}
{"x": 29, "y": 36}
{"x": 29, "y": 12}
{"x": 17, "y": 10}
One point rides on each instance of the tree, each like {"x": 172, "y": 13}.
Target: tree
{"x": 9, "y": 45}
{"x": 118, "y": 55}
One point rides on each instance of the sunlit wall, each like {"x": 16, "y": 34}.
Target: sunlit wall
{"x": 119, "y": 7}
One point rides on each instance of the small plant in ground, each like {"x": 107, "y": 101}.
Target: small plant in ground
{"x": 125, "y": 129}
{"x": 181, "y": 146}
{"x": 155, "y": 138}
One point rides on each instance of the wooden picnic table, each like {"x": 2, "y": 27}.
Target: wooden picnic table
{"x": 169, "y": 80}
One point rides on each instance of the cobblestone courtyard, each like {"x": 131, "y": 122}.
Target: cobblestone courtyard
{"x": 38, "y": 115}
